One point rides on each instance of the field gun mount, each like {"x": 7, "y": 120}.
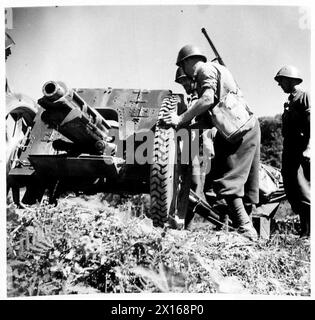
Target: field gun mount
{"x": 87, "y": 140}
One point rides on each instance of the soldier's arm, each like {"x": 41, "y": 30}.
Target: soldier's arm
{"x": 207, "y": 80}
{"x": 205, "y": 102}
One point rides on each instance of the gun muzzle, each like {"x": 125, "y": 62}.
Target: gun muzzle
{"x": 53, "y": 90}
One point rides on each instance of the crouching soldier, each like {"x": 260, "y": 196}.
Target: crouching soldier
{"x": 234, "y": 163}
{"x": 201, "y": 163}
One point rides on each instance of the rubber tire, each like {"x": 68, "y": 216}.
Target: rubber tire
{"x": 18, "y": 107}
{"x": 163, "y": 171}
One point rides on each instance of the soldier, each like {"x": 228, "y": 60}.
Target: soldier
{"x": 187, "y": 83}
{"x": 202, "y": 165}
{"x": 234, "y": 163}
{"x": 296, "y": 145}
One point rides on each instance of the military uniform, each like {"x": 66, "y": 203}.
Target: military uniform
{"x": 201, "y": 162}
{"x": 231, "y": 156}
{"x": 236, "y": 165}
{"x": 295, "y": 167}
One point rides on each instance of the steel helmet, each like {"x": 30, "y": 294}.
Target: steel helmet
{"x": 8, "y": 41}
{"x": 289, "y": 72}
{"x": 180, "y": 74}
{"x": 189, "y": 51}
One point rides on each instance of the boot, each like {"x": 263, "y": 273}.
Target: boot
{"x": 248, "y": 231}
{"x": 250, "y": 209}
{"x": 242, "y": 220}
{"x": 305, "y": 225}
{"x": 189, "y": 219}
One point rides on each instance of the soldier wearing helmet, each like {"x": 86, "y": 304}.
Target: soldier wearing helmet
{"x": 234, "y": 165}
{"x": 201, "y": 168}
{"x": 201, "y": 165}
{"x": 185, "y": 81}
{"x": 296, "y": 145}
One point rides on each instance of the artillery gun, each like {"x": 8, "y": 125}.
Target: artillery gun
{"x": 103, "y": 140}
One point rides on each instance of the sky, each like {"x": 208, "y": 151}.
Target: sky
{"x": 136, "y": 46}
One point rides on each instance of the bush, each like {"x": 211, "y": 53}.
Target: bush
{"x": 85, "y": 245}
{"x": 271, "y": 140}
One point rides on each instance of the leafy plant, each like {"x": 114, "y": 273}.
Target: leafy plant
{"x": 86, "y": 245}
{"x": 271, "y": 140}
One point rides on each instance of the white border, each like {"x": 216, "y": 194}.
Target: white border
{"x": 135, "y": 296}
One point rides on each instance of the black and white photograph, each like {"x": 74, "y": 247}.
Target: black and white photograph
{"x": 156, "y": 149}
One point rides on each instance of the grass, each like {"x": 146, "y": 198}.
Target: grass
{"x": 105, "y": 244}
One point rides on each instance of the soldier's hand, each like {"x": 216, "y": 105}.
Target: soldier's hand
{"x": 171, "y": 119}
{"x": 163, "y": 110}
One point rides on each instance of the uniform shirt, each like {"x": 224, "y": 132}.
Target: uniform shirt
{"x": 296, "y": 121}
{"x": 214, "y": 76}
{"x": 203, "y": 119}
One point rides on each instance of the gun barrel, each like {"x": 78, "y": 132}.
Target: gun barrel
{"x": 53, "y": 90}
{"x": 74, "y": 119}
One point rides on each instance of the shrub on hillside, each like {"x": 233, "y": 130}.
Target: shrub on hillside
{"x": 271, "y": 140}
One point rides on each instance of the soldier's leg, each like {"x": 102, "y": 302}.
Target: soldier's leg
{"x": 207, "y": 155}
{"x": 251, "y": 187}
{"x": 241, "y": 218}
{"x": 305, "y": 220}
{"x": 207, "y": 148}
{"x": 16, "y": 197}
{"x": 303, "y": 201}
{"x": 297, "y": 188}
{"x": 196, "y": 186}
{"x": 202, "y": 166}
{"x": 34, "y": 192}
{"x": 198, "y": 179}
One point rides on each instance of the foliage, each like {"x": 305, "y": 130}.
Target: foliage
{"x": 85, "y": 245}
{"x": 271, "y": 140}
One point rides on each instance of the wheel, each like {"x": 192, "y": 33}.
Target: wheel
{"x": 165, "y": 172}
{"x": 20, "y": 113}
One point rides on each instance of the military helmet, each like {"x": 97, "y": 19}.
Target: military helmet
{"x": 8, "y": 41}
{"x": 180, "y": 74}
{"x": 289, "y": 72}
{"x": 189, "y": 51}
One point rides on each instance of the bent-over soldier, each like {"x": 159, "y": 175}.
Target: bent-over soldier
{"x": 234, "y": 163}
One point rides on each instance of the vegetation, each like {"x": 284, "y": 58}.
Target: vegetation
{"x": 271, "y": 140}
{"x": 92, "y": 245}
